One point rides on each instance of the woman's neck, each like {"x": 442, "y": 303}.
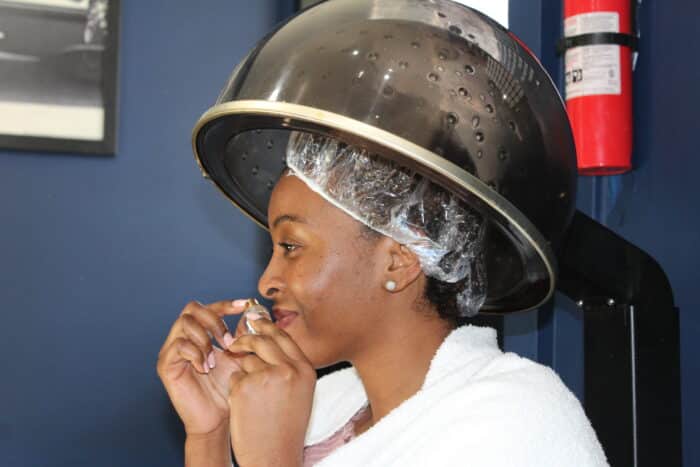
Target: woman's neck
{"x": 393, "y": 368}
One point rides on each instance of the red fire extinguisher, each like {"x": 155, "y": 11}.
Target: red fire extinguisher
{"x": 599, "y": 43}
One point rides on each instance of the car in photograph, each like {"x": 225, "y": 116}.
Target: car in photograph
{"x": 67, "y": 33}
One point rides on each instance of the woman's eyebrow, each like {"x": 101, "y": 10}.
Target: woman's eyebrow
{"x": 288, "y": 218}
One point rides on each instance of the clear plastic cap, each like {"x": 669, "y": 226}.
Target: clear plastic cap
{"x": 446, "y": 235}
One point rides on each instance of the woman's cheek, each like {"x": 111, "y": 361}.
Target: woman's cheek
{"x": 320, "y": 274}
{"x": 322, "y": 285}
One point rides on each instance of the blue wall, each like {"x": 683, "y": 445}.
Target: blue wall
{"x": 99, "y": 255}
{"x": 655, "y": 205}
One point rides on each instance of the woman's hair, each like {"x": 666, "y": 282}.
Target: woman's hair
{"x": 439, "y": 294}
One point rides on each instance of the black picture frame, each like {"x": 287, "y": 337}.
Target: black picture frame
{"x": 107, "y": 82}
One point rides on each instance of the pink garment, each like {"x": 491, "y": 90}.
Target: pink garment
{"x": 319, "y": 451}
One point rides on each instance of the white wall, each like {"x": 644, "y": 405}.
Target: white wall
{"x": 496, "y": 9}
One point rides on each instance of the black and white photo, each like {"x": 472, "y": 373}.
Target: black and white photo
{"x": 58, "y": 75}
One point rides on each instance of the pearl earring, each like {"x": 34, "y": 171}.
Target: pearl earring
{"x": 390, "y": 285}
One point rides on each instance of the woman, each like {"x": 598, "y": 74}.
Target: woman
{"x": 424, "y": 146}
{"x": 362, "y": 248}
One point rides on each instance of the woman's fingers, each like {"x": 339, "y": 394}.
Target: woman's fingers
{"x": 194, "y": 332}
{"x": 179, "y": 351}
{"x": 198, "y": 323}
{"x": 271, "y": 344}
{"x": 251, "y": 363}
{"x": 228, "y": 307}
{"x": 241, "y": 329}
{"x": 266, "y": 327}
{"x": 195, "y": 309}
{"x": 209, "y": 318}
{"x": 212, "y": 321}
{"x": 262, "y": 346}
{"x": 190, "y": 352}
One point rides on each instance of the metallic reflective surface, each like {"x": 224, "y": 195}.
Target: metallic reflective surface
{"x": 431, "y": 84}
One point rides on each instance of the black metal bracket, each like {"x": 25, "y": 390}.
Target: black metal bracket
{"x": 631, "y": 344}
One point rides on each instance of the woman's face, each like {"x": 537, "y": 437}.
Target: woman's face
{"x": 324, "y": 276}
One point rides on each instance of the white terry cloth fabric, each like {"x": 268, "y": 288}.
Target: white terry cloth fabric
{"x": 478, "y": 407}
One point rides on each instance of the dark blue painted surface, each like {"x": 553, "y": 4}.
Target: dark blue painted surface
{"x": 98, "y": 255}
{"x": 654, "y": 206}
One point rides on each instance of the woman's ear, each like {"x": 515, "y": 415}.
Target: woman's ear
{"x": 404, "y": 266}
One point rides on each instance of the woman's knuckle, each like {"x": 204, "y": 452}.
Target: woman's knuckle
{"x": 187, "y": 323}
{"x": 188, "y": 318}
{"x": 263, "y": 339}
{"x": 243, "y": 340}
{"x": 190, "y": 326}
{"x": 190, "y": 307}
{"x": 182, "y": 344}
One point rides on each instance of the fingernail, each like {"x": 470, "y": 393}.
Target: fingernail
{"x": 211, "y": 359}
{"x": 239, "y": 303}
{"x": 228, "y": 339}
{"x": 205, "y": 365}
{"x": 253, "y": 316}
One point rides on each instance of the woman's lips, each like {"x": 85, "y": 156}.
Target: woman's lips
{"x": 284, "y": 318}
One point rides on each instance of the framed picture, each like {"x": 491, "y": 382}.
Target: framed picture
{"x": 58, "y": 69}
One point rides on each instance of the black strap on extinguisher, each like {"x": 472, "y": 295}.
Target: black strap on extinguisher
{"x": 600, "y": 38}
{"x": 597, "y": 38}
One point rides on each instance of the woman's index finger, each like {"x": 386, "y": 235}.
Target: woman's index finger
{"x": 283, "y": 340}
{"x": 228, "y": 307}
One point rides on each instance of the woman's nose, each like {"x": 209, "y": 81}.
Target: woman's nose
{"x": 270, "y": 282}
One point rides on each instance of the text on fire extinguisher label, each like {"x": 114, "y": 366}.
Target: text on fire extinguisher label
{"x": 592, "y": 70}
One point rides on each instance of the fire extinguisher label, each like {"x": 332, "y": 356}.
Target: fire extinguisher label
{"x": 592, "y": 70}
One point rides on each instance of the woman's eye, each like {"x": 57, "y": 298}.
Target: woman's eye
{"x": 288, "y": 247}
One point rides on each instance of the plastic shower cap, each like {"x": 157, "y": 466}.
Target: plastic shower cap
{"x": 445, "y": 234}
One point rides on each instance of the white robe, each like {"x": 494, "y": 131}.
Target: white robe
{"x": 477, "y": 407}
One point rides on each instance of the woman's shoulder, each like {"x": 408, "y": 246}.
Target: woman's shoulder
{"x": 516, "y": 373}
{"x": 526, "y": 390}
{"x": 513, "y": 411}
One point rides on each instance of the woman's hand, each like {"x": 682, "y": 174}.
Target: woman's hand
{"x": 196, "y": 374}
{"x": 270, "y": 398}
